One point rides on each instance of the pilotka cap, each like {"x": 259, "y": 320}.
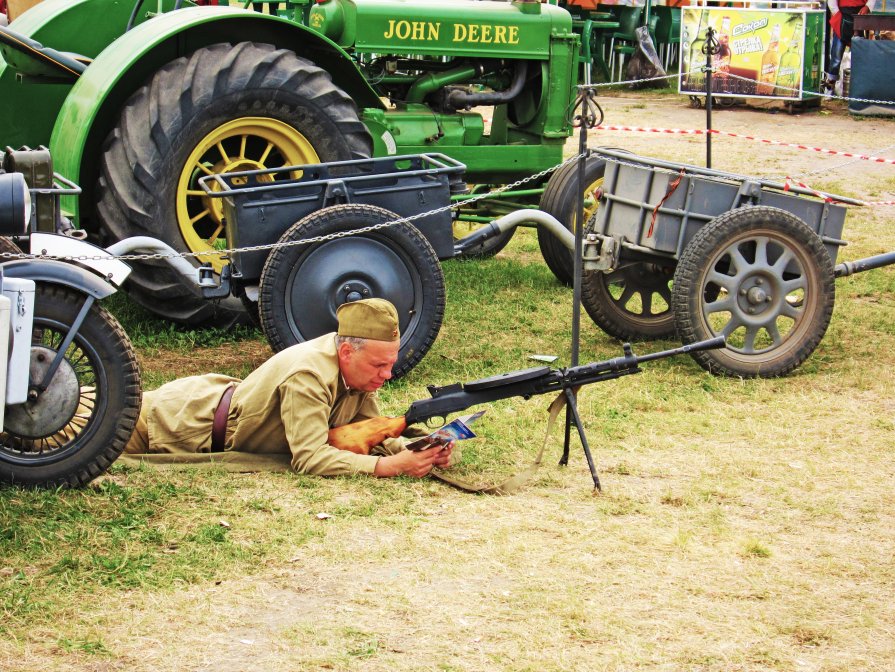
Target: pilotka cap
{"x": 376, "y": 319}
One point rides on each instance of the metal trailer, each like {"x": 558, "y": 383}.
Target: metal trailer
{"x": 300, "y": 256}
{"x": 306, "y": 239}
{"x": 678, "y": 249}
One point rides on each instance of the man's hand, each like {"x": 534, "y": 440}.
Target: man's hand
{"x": 414, "y": 463}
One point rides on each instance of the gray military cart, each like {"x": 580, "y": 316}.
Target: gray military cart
{"x": 679, "y": 249}
{"x": 313, "y": 237}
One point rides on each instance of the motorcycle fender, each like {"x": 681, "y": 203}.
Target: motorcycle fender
{"x": 59, "y": 273}
{"x": 85, "y": 254}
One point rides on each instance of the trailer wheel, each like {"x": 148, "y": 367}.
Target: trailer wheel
{"x": 80, "y": 424}
{"x": 760, "y": 277}
{"x": 560, "y": 199}
{"x": 303, "y": 285}
{"x": 631, "y": 303}
{"x": 224, "y": 108}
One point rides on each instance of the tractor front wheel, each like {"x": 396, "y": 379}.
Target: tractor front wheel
{"x": 225, "y": 108}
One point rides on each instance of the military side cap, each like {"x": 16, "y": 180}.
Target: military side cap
{"x": 376, "y": 319}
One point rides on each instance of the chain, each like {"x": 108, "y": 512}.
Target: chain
{"x": 303, "y": 241}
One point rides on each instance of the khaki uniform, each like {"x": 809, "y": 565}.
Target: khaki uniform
{"x": 287, "y": 405}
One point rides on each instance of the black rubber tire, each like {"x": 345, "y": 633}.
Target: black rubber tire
{"x": 560, "y": 199}
{"x": 773, "y": 309}
{"x": 74, "y": 452}
{"x": 303, "y": 285}
{"x": 631, "y": 303}
{"x": 251, "y": 308}
{"x": 184, "y": 103}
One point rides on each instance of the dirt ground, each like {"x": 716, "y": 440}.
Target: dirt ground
{"x": 472, "y": 611}
{"x": 830, "y": 127}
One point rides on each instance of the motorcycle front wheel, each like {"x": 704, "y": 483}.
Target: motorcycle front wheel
{"x": 71, "y": 432}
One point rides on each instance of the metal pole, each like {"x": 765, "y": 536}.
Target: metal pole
{"x": 584, "y": 119}
{"x": 710, "y": 48}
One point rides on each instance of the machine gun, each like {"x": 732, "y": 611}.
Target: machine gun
{"x": 360, "y": 437}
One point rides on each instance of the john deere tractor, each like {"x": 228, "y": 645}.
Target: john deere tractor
{"x": 137, "y": 102}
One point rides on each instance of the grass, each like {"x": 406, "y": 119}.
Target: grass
{"x": 743, "y": 525}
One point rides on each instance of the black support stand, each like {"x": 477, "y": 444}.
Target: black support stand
{"x": 585, "y": 118}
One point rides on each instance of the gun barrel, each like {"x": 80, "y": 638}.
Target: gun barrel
{"x": 709, "y": 344}
{"x": 629, "y": 363}
{"x": 539, "y": 380}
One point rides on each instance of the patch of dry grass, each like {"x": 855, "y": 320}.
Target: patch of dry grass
{"x": 743, "y": 525}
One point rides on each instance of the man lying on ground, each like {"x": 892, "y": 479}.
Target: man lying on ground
{"x": 289, "y": 403}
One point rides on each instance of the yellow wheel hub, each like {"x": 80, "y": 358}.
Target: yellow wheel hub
{"x": 591, "y": 203}
{"x": 248, "y": 143}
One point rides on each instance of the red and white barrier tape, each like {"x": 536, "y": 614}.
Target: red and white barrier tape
{"x": 779, "y": 143}
{"x": 702, "y": 131}
{"x": 826, "y": 197}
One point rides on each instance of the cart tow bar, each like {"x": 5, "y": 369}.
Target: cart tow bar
{"x": 861, "y": 265}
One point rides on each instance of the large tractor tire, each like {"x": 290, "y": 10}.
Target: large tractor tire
{"x": 72, "y": 431}
{"x": 560, "y": 199}
{"x": 225, "y": 108}
{"x": 302, "y": 286}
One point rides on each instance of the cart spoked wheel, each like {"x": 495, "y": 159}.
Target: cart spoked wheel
{"x": 560, "y": 199}
{"x": 760, "y": 277}
{"x": 225, "y": 108}
{"x": 631, "y": 303}
{"x": 73, "y": 430}
{"x": 493, "y": 208}
{"x": 303, "y": 285}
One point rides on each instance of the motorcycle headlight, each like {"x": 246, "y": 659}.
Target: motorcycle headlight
{"x": 15, "y": 205}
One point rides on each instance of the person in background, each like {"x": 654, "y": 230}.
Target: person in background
{"x": 842, "y": 27}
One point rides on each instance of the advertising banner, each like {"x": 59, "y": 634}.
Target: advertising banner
{"x": 766, "y": 48}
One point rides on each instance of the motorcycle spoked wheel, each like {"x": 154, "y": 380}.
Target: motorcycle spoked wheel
{"x": 79, "y": 425}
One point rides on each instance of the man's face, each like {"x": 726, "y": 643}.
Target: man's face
{"x": 367, "y": 369}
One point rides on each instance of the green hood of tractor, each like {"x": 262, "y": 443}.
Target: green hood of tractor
{"x": 441, "y": 28}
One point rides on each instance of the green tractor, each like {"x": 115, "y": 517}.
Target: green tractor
{"x": 137, "y": 103}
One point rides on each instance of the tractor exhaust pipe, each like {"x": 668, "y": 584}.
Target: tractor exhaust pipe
{"x": 463, "y": 100}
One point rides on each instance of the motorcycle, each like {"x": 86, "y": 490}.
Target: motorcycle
{"x": 69, "y": 378}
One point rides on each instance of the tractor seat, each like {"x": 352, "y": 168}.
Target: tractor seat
{"x": 32, "y": 59}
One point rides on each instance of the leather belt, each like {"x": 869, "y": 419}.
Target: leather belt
{"x": 219, "y": 424}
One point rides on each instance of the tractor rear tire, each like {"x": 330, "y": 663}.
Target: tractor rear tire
{"x": 560, "y": 199}
{"x": 224, "y": 108}
{"x": 302, "y": 286}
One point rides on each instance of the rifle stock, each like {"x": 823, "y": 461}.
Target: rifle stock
{"x": 526, "y": 383}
